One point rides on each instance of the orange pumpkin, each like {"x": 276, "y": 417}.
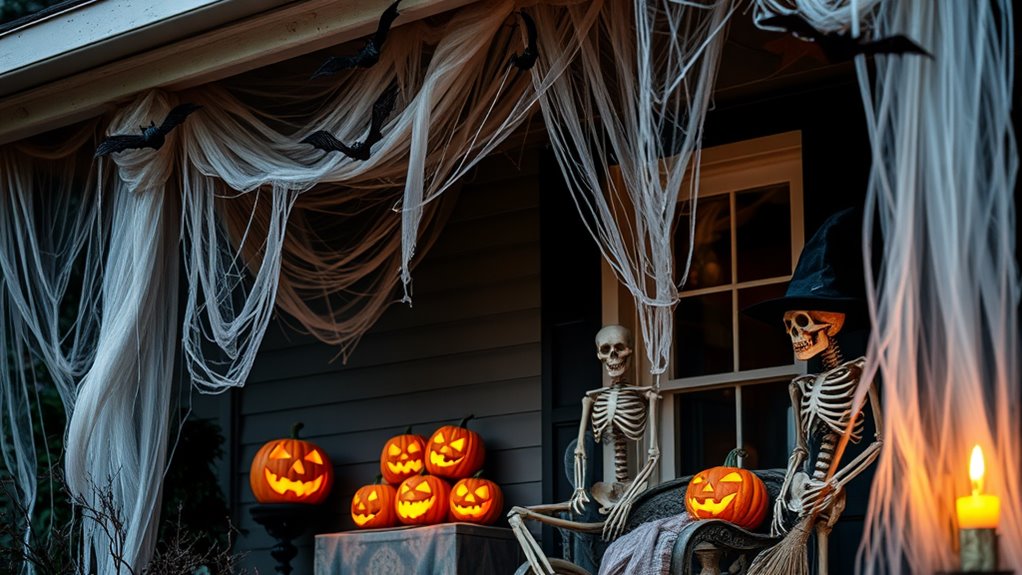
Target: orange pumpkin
{"x": 476, "y": 500}
{"x": 455, "y": 451}
{"x": 729, "y": 493}
{"x": 291, "y": 471}
{"x": 372, "y": 507}
{"x": 422, "y": 500}
{"x": 403, "y": 456}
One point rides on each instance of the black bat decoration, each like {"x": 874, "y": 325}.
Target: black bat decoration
{"x": 527, "y": 59}
{"x": 370, "y": 52}
{"x": 382, "y": 107}
{"x": 151, "y": 137}
{"x": 842, "y": 47}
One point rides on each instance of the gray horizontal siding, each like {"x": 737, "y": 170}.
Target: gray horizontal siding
{"x": 469, "y": 344}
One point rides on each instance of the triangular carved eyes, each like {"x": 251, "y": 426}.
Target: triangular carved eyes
{"x": 424, "y": 487}
{"x": 279, "y": 452}
{"x": 373, "y": 496}
{"x": 732, "y": 477}
{"x": 461, "y": 490}
{"x": 458, "y": 444}
{"x": 413, "y": 448}
{"x": 439, "y": 438}
{"x": 314, "y": 457}
{"x": 483, "y": 492}
{"x": 394, "y": 450}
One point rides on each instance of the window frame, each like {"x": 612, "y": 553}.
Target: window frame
{"x": 724, "y": 169}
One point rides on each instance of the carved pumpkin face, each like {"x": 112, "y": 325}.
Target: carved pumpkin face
{"x": 729, "y": 493}
{"x": 402, "y": 457}
{"x": 291, "y": 471}
{"x": 422, "y": 500}
{"x": 476, "y": 501}
{"x": 372, "y": 507}
{"x": 455, "y": 452}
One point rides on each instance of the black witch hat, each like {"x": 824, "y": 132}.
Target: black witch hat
{"x": 828, "y": 276}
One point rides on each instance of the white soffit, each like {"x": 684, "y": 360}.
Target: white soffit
{"x": 73, "y": 64}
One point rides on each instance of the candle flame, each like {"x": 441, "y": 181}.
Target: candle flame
{"x": 976, "y": 469}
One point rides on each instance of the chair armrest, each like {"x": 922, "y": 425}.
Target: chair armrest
{"x": 728, "y": 537}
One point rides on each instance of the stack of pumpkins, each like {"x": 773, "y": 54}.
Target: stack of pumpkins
{"x": 416, "y": 489}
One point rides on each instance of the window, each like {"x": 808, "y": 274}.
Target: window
{"x": 729, "y": 373}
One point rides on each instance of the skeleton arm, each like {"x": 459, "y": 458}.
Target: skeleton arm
{"x": 798, "y": 455}
{"x": 619, "y": 514}
{"x": 580, "y": 497}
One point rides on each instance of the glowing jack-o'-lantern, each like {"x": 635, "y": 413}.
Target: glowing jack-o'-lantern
{"x": 422, "y": 500}
{"x": 403, "y": 456}
{"x": 455, "y": 451}
{"x": 729, "y": 493}
{"x": 291, "y": 471}
{"x": 372, "y": 507}
{"x": 476, "y": 500}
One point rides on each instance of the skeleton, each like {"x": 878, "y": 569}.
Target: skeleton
{"x": 619, "y": 412}
{"x": 822, "y": 405}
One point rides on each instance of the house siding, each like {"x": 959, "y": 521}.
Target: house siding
{"x": 470, "y": 344}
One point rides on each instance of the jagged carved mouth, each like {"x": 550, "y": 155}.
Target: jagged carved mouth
{"x": 414, "y": 509}
{"x": 473, "y": 510}
{"x": 412, "y": 466}
{"x": 361, "y": 519}
{"x": 440, "y": 460}
{"x": 711, "y": 505}
{"x": 300, "y": 488}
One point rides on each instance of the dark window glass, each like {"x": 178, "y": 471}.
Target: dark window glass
{"x": 765, "y": 416}
{"x": 711, "y": 257}
{"x": 706, "y": 424}
{"x": 763, "y": 232}
{"x": 704, "y": 335}
{"x": 761, "y": 344}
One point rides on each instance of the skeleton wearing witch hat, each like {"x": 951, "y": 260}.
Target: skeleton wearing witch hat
{"x": 824, "y": 295}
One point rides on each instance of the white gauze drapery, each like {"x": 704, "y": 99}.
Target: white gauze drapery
{"x": 117, "y": 434}
{"x": 625, "y": 121}
{"x": 945, "y": 302}
{"x": 241, "y": 173}
{"x": 43, "y": 234}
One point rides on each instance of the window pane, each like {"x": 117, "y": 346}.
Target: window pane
{"x": 766, "y": 416}
{"x": 761, "y": 344}
{"x": 706, "y": 420}
{"x": 763, "y": 219}
{"x": 711, "y": 258}
{"x": 704, "y": 336}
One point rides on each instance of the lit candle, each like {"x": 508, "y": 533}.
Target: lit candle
{"x": 978, "y": 511}
{"x": 978, "y": 515}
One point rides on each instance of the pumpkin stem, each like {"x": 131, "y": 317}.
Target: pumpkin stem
{"x": 408, "y": 430}
{"x": 379, "y": 479}
{"x": 732, "y": 457}
{"x": 296, "y": 428}
{"x": 478, "y": 474}
{"x": 464, "y": 422}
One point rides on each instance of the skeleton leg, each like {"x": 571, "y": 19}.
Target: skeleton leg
{"x": 532, "y": 550}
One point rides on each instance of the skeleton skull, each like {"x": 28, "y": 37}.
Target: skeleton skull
{"x": 614, "y": 348}
{"x": 811, "y": 331}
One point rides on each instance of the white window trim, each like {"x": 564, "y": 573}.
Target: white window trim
{"x": 731, "y": 167}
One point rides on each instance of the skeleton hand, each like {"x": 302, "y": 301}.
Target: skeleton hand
{"x": 615, "y": 522}
{"x": 579, "y": 500}
{"x": 777, "y": 527}
{"x": 818, "y": 495}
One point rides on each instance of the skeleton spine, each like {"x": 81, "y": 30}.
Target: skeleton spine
{"x": 620, "y": 457}
{"x": 832, "y": 355}
{"x": 825, "y": 456}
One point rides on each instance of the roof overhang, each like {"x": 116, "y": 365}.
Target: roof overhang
{"x": 72, "y": 64}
